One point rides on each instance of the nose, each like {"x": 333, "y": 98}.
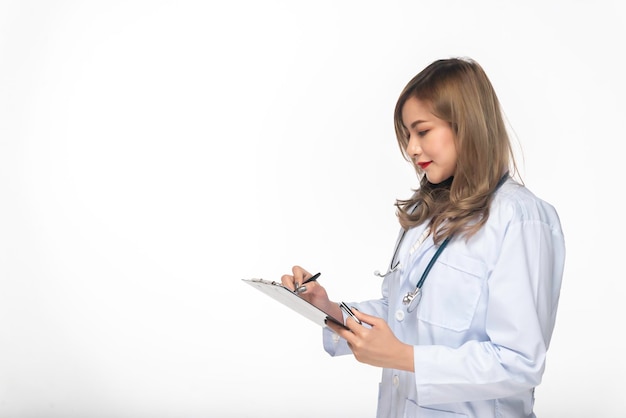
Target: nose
{"x": 413, "y": 148}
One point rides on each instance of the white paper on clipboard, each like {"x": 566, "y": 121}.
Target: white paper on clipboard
{"x": 290, "y": 299}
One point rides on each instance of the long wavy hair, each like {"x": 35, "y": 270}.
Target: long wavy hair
{"x": 459, "y": 92}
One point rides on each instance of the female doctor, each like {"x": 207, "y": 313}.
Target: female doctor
{"x": 469, "y": 301}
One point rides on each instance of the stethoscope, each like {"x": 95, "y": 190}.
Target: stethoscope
{"x": 412, "y": 298}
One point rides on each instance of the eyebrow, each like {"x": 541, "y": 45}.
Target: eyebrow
{"x": 417, "y": 122}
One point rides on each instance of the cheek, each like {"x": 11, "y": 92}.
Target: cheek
{"x": 449, "y": 149}
{"x": 443, "y": 149}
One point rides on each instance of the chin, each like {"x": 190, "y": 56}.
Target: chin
{"x": 436, "y": 179}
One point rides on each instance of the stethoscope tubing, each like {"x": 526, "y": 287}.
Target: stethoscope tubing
{"x": 410, "y": 298}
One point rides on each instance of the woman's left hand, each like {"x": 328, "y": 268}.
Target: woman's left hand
{"x": 375, "y": 344}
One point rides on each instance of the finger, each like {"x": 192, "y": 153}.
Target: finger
{"x": 288, "y": 281}
{"x": 299, "y": 274}
{"x": 365, "y": 318}
{"x": 309, "y": 288}
{"x": 353, "y": 324}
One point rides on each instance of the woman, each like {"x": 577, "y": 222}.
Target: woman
{"x": 467, "y": 335}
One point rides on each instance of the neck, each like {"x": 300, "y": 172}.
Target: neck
{"x": 441, "y": 185}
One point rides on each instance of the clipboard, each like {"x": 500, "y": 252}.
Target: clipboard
{"x": 290, "y": 299}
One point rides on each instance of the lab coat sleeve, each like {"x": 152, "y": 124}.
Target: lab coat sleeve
{"x": 523, "y": 290}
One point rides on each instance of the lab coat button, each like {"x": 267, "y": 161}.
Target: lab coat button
{"x": 399, "y": 315}
{"x": 396, "y": 381}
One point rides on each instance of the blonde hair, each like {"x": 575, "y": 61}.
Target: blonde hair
{"x": 459, "y": 92}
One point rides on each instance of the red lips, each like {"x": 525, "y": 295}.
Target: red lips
{"x": 424, "y": 165}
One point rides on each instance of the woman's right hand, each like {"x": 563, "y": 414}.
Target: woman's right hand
{"x": 312, "y": 292}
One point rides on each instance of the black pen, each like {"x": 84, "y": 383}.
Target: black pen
{"x": 301, "y": 288}
{"x": 348, "y": 311}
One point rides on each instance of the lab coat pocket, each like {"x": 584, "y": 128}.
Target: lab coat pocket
{"x": 412, "y": 410}
{"x": 452, "y": 292}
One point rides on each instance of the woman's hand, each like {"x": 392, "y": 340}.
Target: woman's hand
{"x": 296, "y": 279}
{"x": 375, "y": 344}
{"x": 312, "y": 292}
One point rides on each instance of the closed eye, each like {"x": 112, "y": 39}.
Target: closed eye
{"x": 423, "y": 133}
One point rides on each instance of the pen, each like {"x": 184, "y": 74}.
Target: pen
{"x": 301, "y": 288}
{"x": 348, "y": 311}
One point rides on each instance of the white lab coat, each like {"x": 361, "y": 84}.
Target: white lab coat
{"x": 483, "y": 326}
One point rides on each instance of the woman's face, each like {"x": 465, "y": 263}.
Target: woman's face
{"x": 431, "y": 141}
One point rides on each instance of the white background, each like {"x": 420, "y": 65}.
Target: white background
{"x": 155, "y": 153}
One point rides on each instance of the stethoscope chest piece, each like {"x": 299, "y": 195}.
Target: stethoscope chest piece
{"x": 412, "y": 299}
